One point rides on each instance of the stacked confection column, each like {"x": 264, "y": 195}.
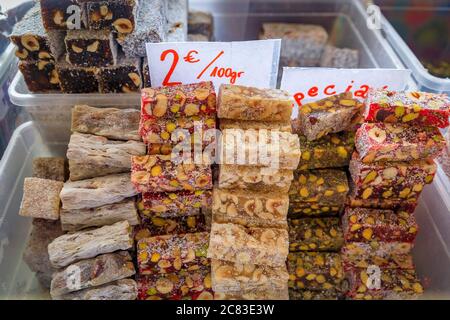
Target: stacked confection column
{"x": 249, "y": 239}
{"x": 392, "y": 164}
{"x": 318, "y": 195}
{"x": 173, "y": 237}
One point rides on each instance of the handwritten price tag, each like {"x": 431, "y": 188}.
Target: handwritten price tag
{"x": 253, "y": 63}
{"x": 311, "y": 84}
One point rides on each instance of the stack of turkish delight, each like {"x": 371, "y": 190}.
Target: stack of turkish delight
{"x": 85, "y": 46}
{"x": 318, "y": 195}
{"x": 176, "y": 191}
{"x": 257, "y": 152}
{"x": 392, "y": 164}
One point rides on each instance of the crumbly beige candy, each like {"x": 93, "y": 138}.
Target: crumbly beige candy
{"x": 52, "y": 168}
{"x": 41, "y": 198}
{"x": 248, "y": 103}
{"x": 235, "y": 243}
{"x": 125, "y": 289}
{"x": 281, "y": 294}
{"x": 284, "y": 126}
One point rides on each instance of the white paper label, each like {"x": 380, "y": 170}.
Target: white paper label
{"x": 252, "y": 63}
{"x": 312, "y": 84}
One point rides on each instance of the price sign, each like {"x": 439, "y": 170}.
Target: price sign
{"x": 253, "y": 63}
{"x": 312, "y": 84}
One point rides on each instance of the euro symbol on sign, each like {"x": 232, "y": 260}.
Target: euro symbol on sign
{"x": 189, "y": 57}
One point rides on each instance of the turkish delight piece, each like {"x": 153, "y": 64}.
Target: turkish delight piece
{"x": 183, "y": 285}
{"x": 173, "y": 204}
{"x": 40, "y": 76}
{"x": 73, "y": 247}
{"x": 408, "y": 205}
{"x": 313, "y": 209}
{"x": 263, "y": 148}
{"x": 331, "y": 151}
{"x": 117, "y": 15}
{"x": 284, "y": 126}
{"x": 332, "y": 114}
{"x": 390, "y": 180}
{"x": 150, "y": 26}
{"x": 41, "y": 198}
{"x": 91, "y": 48}
{"x": 76, "y": 219}
{"x": 172, "y": 253}
{"x": 250, "y": 208}
{"x": 146, "y": 73}
{"x": 202, "y": 23}
{"x": 253, "y": 295}
{"x": 249, "y": 103}
{"x": 92, "y": 273}
{"x": 302, "y": 44}
{"x": 74, "y": 79}
{"x": 413, "y": 108}
{"x": 235, "y": 243}
{"x": 314, "y": 294}
{"x": 93, "y": 156}
{"x": 125, "y": 289}
{"x": 386, "y": 255}
{"x": 397, "y": 142}
{"x": 112, "y": 123}
{"x": 35, "y": 254}
{"x": 229, "y": 277}
{"x": 315, "y": 271}
{"x": 123, "y": 77}
{"x": 390, "y": 284}
{"x": 315, "y": 234}
{"x": 324, "y": 186}
{"x": 360, "y": 224}
{"x": 52, "y": 168}
{"x": 333, "y": 57}
{"x": 197, "y": 99}
{"x": 158, "y": 173}
{"x": 254, "y": 178}
{"x": 96, "y": 192}
{"x": 32, "y": 41}
{"x": 177, "y": 19}
{"x": 62, "y": 15}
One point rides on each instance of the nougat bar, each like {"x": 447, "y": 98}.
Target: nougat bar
{"x": 125, "y": 289}
{"x": 57, "y": 15}
{"x": 158, "y": 173}
{"x": 235, "y": 243}
{"x": 150, "y": 26}
{"x": 254, "y": 178}
{"x": 324, "y": 186}
{"x": 313, "y": 209}
{"x": 333, "y": 57}
{"x": 78, "y": 219}
{"x": 112, "y": 123}
{"x": 386, "y": 255}
{"x": 196, "y": 99}
{"x": 200, "y": 22}
{"x": 253, "y": 295}
{"x": 315, "y": 271}
{"x": 73, "y": 247}
{"x": 118, "y": 15}
{"x": 302, "y": 44}
{"x": 251, "y": 208}
{"x": 173, "y": 204}
{"x": 159, "y": 226}
{"x": 92, "y": 273}
{"x": 96, "y": 192}
{"x": 397, "y": 142}
{"x": 263, "y": 148}
{"x": 229, "y": 277}
{"x": 249, "y": 103}
{"x": 414, "y": 108}
{"x": 332, "y": 114}
{"x": 123, "y": 77}
{"x": 40, "y": 76}
{"x": 315, "y": 294}
{"x": 183, "y": 285}
{"x": 41, "y": 198}
{"x": 74, "y": 79}
{"x": 32, "y": 41}
{"x": 391, "y": 284}
{"x": 52, "y": 168}
{"x": 331, "y": 151}
{"x": 315, "y": 234}
{"x": 360, "y": 224}
{"x": 172, "y": 253}
{"x": 284, "y": 126}
{"x": 91, "y": 48}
